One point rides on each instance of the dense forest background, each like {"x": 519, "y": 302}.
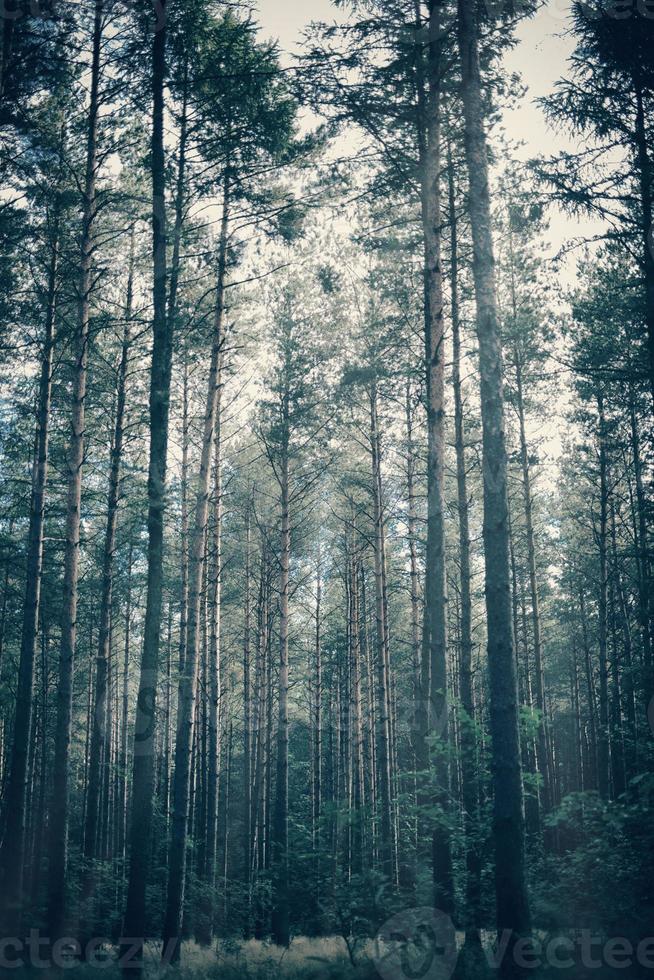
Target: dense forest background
{"x": 326, "y": 584}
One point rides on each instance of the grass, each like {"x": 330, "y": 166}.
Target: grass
{"x": 306, "y": 959}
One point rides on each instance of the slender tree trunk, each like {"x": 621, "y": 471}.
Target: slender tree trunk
{"x": 186, "y": 703}
{"x": 99, "y": 733}
{"x": 228, "y": 793}
{"x": 59, "y": 814}
{"x": 412, "y": 520}
{"x": 646, "y": 187}
{"x": 620, "y": 680}
{"x": 260, "y": 728}
{"x": 213, "y": 691}
{"x": 542, "y": 750}
{"x": 12, "y": 855}
{"x": 383, "y": 680}
{"x": 43, "y": 775}
{"x": 468, "y": 737}
{"x": 317, "y": 717}
{"x": 180, "y": 203}
{"x": 5, "y": 599}
{"x": 641, "y": 539}
{"x": 508, "y": 817}
{"x": 103, "y": 823}
{"x": 145, "y": 726}
{"x": 280, "y": 917}
{"x": 590, "y": 693}
{"x": 247, "y": 724}
{"x": 603, "y": 751}
{"x": 434, "y": 683}
{"x": 417, "y": 741}
{"x": 124, "y": 721}
{"x": 37, "y": 725}
{"x": 266, "y": 837}
{"x": 87, "y": 726}
{"x": 173, "y": 295}
{"x": 166, "y": 759}
{"x": 579, "y": 781}
{"x": 356, "y": 725}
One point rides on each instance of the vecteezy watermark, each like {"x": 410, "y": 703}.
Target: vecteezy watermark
{"x": 146, "y": 714}
{"x": 423, "y": 716}
{"x": 38, "y": 952}
{"x": 563, "y": 952}
{"x": 417, "y": 944}
{"x": 420, "y": 944}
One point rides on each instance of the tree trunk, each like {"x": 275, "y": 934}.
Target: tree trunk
{"x": 434, "y": 679}
{"x": 166, "y": 754}
{"x": 317, "y": 716}
{"x": 383, "y": 680}
{"x": 593, "y": 781}
{"x": 173, "y": 292}
{"x": 59, "y": 814}
{"x": 172, "y": 930}
{"x": 247, "y": 725}
{"x": 183, "y": 602}
{"x": 508, "y": 818}
{"x": 99, "y": 734}
{"x": 43, "y": 775}
{"x": 620, "y": 681}
{"x": 603, "y": 751}
{"x": 646, "y": 186}
{"x": 208, "y": 871}
{"x": 145, "y": 725}
{"x": 280, "y": 917}
{"x": 468, "y": 738}
{"x": 355, "y": 712}
{"x": 642, "y": 556}
{"x": 412, "y": 520}
{"x": 124, "y": 720}
{"x": 542, "y": 751}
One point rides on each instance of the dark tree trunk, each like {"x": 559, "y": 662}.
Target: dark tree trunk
{"x": 59, "y": 812}
{"x": 469, "y": 775}
{"x": 646, "y": 189}
{"x": 145, "y": 727}
{"x": 593, "y": 781}
{"x": 412, "y": 521}
{"x": 247, "y": 724}
{"x": 186, "y": 702}
{"x": 542, "y": 750}
{"x": 383, "y": 745}
{"x": 124, "y": 720}
{"x": 213, "y": 694}
{"x": 280, "y": 916}
{"x": 642, "y": 549}
{"x": 508, "y": 817}
{"x": 603, "y": 743}
{"x": 434, "y": 679}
